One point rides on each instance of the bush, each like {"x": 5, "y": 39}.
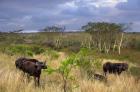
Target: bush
{"x": 86, "y": 63}
{"x": 74, "y": 49}
{"x": 50, "y": 43}
{"x": 23, "y": 50}
{"x": 37, "y": 49}
{"x": 65, "y": 70}
{"x": 134, "y": 44}
{"x": 135, "y": 71}
{"x": 52, "y": 54}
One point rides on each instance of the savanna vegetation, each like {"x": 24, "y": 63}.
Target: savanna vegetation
{"x": 72, "y": 58}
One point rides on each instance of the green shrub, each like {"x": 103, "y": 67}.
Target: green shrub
{"x": 37, "y": 49}
{"x": 134, "y": 44}
{"x": 52, "y": 54}
{"x": 74, "y": 49}
{"x": 65, "y": 71}
{"x": 97, "y": 63}
{"x": 135, "y": 71}
{"x": 138, "y": 45}
{"x": 25, "y": 50}
{"x": 86, "y": 63}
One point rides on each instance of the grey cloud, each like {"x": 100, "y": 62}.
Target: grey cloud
{"x": 36, "y": 14}
{"x": 131, "y": 5}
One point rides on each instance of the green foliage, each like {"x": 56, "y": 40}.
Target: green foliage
{"x": 103, "y": 26}
{"x": 50, "y": 70}
{"x": 74, "y": 49}
{"x": 135, "y": 71}
{"x": 54, "y": 29}
{"x": 134, "y": 44}
{"x": 23, "y": 50}
{"x": 37, "y": 49}
{"x": 65, "y": 67}
{"x": 87, "y": 63}
{"x": 82, "y": 58}
{"x": 52, "y": 54}
{"x": 97, "y": 63}
{"x": 65, "y": 70}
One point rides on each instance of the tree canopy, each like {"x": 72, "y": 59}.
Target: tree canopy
{"x": 103, "y": 27}
{"x": 54, "y": 29}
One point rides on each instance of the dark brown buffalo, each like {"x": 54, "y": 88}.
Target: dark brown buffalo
{"x": 115, "y": 68}
{"x": 31, "y": 66}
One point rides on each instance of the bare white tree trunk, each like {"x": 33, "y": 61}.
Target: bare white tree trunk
{"x": 114, "y": 46}
{"x": 89, "y": 42}
{"x": 108, "y": 49}
{"x": 120, "y": 44}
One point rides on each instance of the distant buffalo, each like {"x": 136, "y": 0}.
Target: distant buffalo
{"x": 115, "y": 68}
{"x": 31, "y": 66}
{"x": 100, "y": 77}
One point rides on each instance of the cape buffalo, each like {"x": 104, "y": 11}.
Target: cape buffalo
{"x": 31, "y": 66}
{"x": 115, "y": 68}
{"x": 100, "y": 77}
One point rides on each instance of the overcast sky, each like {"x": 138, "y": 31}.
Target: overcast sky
{"x": 36, "y": 14}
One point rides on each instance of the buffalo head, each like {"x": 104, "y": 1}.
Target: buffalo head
{"x": 42, "y": 65}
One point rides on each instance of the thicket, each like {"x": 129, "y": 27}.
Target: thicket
{"x": 25, "y": 50}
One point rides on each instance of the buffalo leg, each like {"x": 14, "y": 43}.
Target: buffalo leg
{"x": 38, "y": 80}
{"x": 119, "y": 72}
{"x": 105, "y": 73}
{"x": 35, "y": 80}
{"x": 28, "y": 77}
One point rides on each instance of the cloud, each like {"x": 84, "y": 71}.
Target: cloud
{"x": 93, "y": 3}
{"x": 36, "y": 14}
{"x": 130, "y": 5}
{"x": 68, "y": 21}
{"x": 107, "y": 3}
{"x": 16, "y": 23}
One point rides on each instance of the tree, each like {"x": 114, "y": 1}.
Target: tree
{"x": 106, "y": 36}
{"x": 65, "y": 70}
{"x": 54, "y": 29}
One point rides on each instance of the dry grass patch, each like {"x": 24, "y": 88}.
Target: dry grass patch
{"x": 121, "y": 83}
{"x": 12, "y": 80}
